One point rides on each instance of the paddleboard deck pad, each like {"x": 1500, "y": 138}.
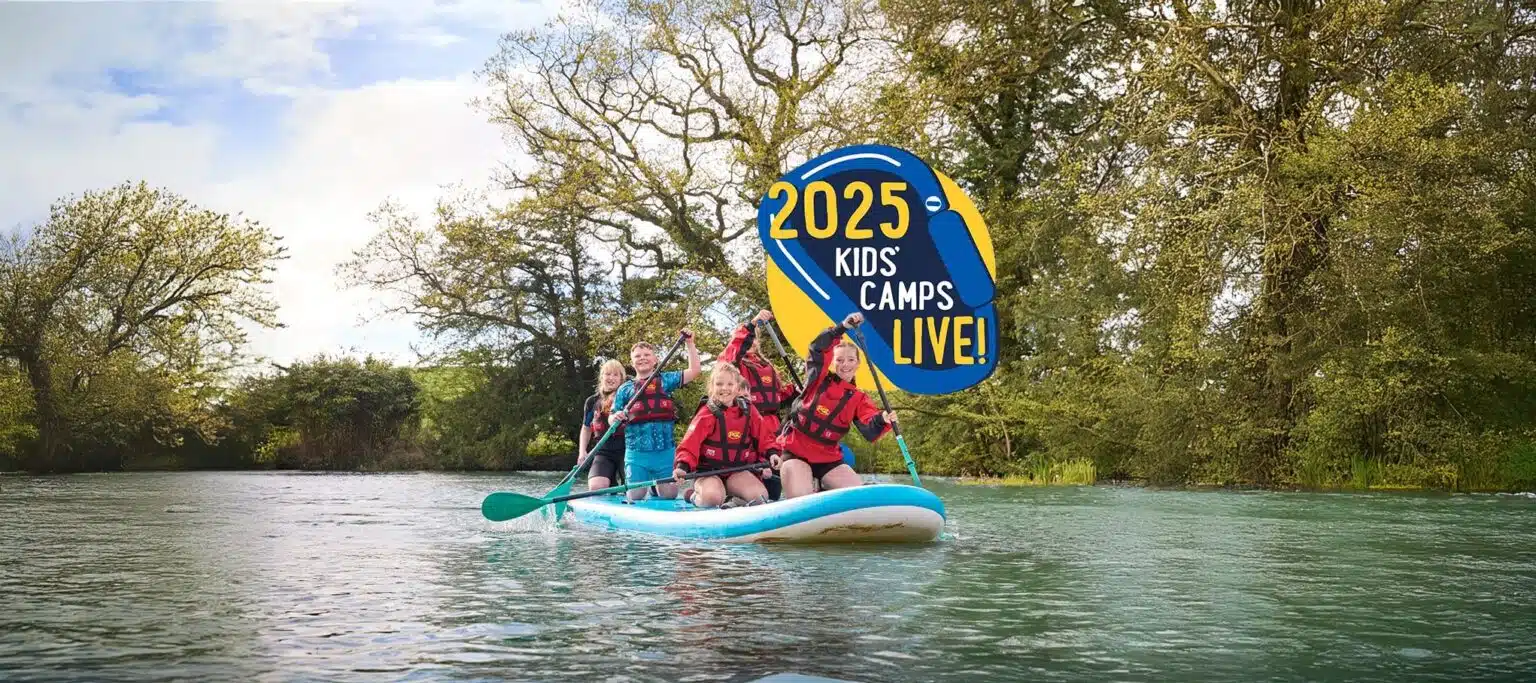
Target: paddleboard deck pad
{"x": 879, "y": 513}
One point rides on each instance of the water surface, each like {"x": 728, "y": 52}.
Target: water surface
{"x": 279, "y": 577}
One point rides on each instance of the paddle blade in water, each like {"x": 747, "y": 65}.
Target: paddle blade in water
{"x": 502, "y": 506}
{"x": 561, "y": 490}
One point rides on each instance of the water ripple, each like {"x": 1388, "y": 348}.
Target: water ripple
{"x": 278, "y": 577}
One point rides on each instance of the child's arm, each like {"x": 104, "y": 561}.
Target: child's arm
{"x": 694, "y": 367}
{"x": 740, "y": 341}
{"x": 767, "y": 440}
{"x": 687, "y": 457}
{"x": 868, "y": 418}
{"x": 787, "y": 391}
{"x": 818, "y": 360}
{"x": 585, "y": 433}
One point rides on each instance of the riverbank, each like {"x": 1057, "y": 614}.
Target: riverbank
{"x": 1028, "y": 482}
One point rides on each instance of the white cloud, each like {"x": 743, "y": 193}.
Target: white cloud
{"x": 339, "y": 153}
{"x": 347, "y": 152}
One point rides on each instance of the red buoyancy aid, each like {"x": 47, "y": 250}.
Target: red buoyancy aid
{"x": 600, "y": 416}
{"x": 763, "y": 382}
{"x": 826, "y": 418}
{"x": 732, "y": 441}
{"x": 652, "y": 404}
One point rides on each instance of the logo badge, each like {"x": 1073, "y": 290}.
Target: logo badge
{"x": 873, "y": 229}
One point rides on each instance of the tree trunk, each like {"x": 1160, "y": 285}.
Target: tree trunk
{"x": 52, "y": 431}
{"x": 1294, "y": 250}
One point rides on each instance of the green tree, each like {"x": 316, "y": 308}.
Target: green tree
{"x": 124, "y": 276}
{"x": 17, "y": 428}
{"x": 329, "y": 414}
{"x": 522, "y": 297}
{"x": 1021, "y": 94}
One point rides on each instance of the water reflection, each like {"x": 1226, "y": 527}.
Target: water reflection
{"x": 344, "y": 577}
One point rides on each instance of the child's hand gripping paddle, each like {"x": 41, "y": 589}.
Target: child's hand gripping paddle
{"x": 858, "y": 338}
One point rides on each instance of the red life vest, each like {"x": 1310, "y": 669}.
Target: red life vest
{"x": 652, "y": 404}
{"x": 824, "y": 419}
{"x": 732, "y": 442}
{"x": 764, "y": 384}
{"x": 600, "y": 416}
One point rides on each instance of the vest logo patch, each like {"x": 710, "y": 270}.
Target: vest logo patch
{"x": 823, "y": 411}
{"x": 734, "y": 435}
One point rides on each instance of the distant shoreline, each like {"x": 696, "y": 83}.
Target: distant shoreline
{"x": 986, "y": 482}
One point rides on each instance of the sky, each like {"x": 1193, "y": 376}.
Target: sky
{"x": 302, "y": 115}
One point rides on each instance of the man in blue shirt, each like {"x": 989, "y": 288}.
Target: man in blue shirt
{"x": 649, "y": 439}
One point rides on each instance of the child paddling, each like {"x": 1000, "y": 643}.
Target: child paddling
{"x": 769, "y": 391}
{"x": 608, "y": 460}
{"x": 725, "y": 432}
{"x": 649, "y": 442}
{"x": 831, "y": 404}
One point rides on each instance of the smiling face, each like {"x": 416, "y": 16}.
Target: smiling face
{"x": 613, "y": 376}
{"x": 722, "y": 388}
{"x": 845, "y": 361}
{"x": 642, "y": 359}
{"x": 724, "y": 384}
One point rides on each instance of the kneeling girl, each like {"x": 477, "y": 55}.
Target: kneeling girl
{"x": 725, "y": 432}
{"x": 832, "y": 403}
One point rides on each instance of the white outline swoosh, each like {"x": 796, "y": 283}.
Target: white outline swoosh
{"x": 850, "y": 157}
{"x": 803, "y": 274}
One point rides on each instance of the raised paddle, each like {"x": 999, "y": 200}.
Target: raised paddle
{"x": 789, "y": 361}
{"x": 569, "y": 481}
{"x": 502, "y": 506}
{"x": 858, "y": 338}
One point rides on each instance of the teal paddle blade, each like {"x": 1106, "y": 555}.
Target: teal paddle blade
{"x": 561, "y": 490}
{"x": 502, "y": 506}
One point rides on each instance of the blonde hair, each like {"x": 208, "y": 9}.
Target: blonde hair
{"x": 606, "y": 400}
{"x": 642, "y": 345}
{"x": 848, "y": 344}
{"x": 726, "y": 369}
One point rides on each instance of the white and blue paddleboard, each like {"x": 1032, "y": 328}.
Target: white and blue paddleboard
{"x": 886, "y": 513}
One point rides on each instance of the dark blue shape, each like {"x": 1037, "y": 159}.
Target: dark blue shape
{"x": 937, "y": 249}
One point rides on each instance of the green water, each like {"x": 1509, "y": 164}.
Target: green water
{"x": 279, "y": 577}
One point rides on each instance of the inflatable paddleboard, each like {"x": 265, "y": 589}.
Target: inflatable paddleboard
{"x": 886, "y": 513}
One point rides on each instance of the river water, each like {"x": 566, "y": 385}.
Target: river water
{"x": 288, "y": 577}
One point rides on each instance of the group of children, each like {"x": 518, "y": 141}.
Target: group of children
{"x": 738, "y": 422}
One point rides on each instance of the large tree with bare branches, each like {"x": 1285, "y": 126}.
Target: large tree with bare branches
{"x": 664, "y": 122}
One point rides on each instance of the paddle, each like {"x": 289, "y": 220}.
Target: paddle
{"x": 502, "y": 506}
{"x": 789, "y": 361}
{"x": 858, "y": 338}
{"x": 569, "y": 481}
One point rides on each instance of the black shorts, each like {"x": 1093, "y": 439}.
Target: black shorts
{"x": 606, "y": 465}
{"x": 818, "y": 469}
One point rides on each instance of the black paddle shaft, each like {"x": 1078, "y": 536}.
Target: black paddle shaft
{"x": 858, "y": 338}
{"x": 789, "y": 361}
{"x": 694, "y": 475}
{"x": 655, "y": 374}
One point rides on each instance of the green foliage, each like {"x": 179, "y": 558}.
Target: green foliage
{"x": 119, "y": 310}
{"x": 17, "y": 428}
{"x": 1238, "y": 243}
{"x": 327, "y": 414}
